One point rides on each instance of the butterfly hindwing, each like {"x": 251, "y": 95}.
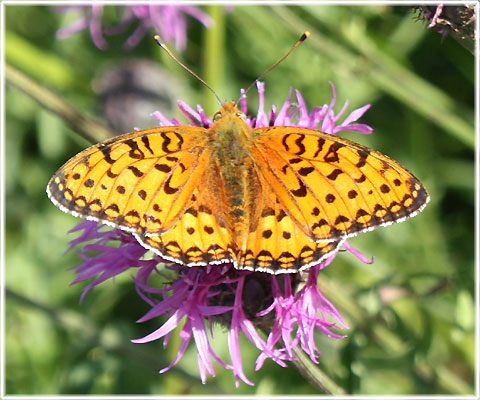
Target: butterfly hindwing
{"x": 271, "y": 240}
{"x": 201, "y": 235}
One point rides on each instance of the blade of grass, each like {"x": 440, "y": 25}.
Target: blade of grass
{"x": 37, "y": 62}
{"x": 85, "y": 126}
{"x": 387, "y": 74}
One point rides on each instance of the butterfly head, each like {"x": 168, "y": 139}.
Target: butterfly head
{"x": 229, "y": 111}
{"x": 231, "y": 129}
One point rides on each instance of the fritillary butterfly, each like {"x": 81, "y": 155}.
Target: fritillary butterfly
{"x": 275, "y": 199}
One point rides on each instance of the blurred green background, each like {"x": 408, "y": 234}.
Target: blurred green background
{"x": 411, "y": 312}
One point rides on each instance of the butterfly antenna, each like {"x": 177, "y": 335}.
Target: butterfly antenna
{"x": 305, "y": 35}
{"x": 164, "y": 47}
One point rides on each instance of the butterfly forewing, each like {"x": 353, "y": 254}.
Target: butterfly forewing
{"x": 140, "y": 181}
{"x": 334, "y": 188}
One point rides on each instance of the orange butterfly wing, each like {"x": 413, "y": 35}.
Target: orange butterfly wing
{"x": 202, "y": 234}
{"x": 272, "y": 241}
{"x": 139, "y": 182}
{"x": 333, "y": 188}
{"x": 156, "y": 183}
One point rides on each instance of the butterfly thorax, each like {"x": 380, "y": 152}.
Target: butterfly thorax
{"x": 231, "y": 141}
{"x": 231, "y": 136}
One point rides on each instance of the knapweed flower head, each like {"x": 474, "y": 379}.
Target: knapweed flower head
{"x": 444, "y": 19}
{"x": 169, "y": 21}
{"x": 276, "y": 313}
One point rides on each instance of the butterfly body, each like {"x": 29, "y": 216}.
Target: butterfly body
{"x": 274, "y": 199}
{"x": 232, "y": 138}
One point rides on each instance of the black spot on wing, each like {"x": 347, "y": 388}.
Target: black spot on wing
{"x": 106, "y": 150}
{"x": 135, "y": 171}
{"x": 169, "y": 189}
{"x": 352, "y": 194}
{"x": 301, "y": 146}
{"x": 320, "y": 143}
{"x": 304, "y": 171}
{"x": 363, "y": 155}
{"x": 301, "y": 191}
{"x": 135, "y": 152}
{"x": 142, "y": 194}
{"x": 163, "y": 167}
{"x": 361, "y": 179}
{"x": 334, "y": 174}
{"x": 330, "y": 198}
{"x": 146, "y": 143}
{"x": 203, "y": 208}
{"x": 284, "y": 142}
{"x": 268, "y": 211}
{"x": 332, "y": 153}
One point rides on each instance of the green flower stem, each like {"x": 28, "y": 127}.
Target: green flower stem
{"x": 312, "y": 372}
{"x": 39, "y": 63}
{"x": 315, "y": 375}
{"x": 85, "y": 126}
{"x": 214, "y": 61}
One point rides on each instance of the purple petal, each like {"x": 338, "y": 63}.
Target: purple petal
{"x": 357, "y": 253}
{"x": 163, "y": 120}
{"x": 76, "y": 26}
{"x": 166, "y": 328}
{"x": 282, "y": 114}
{"x": 261, "y": 120}
{"x": 201, "y": 341}
{"x": 437, "y": 13}
{"x": 356, "y": 114}
{"x": 243, "y": 101}
{"x": 361, "y": 128}
{"x": 137, "y": 35}
{"x": 96, "y": 27}
{"x": 181, "y": 350}
{"x": 196, "y": 13}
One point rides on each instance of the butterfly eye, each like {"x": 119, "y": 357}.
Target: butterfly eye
{"x": 241, "y": 115}
{"x": 217, "y": 116}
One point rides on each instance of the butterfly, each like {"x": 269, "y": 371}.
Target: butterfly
{"x": 273, "y": 199}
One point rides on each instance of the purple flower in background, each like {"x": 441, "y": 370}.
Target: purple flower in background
{"x": 455, "y": 19}
{"x": 276, "y": 313}
{"x": 169, "y": 21}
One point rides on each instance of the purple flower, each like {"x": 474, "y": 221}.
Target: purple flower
{"x": 290, "y": 114}
{"x": 433, "y": 17}
{"x": 456, "y": 19}
{"x": 169, "y": 21}
{"x": 276, "y": 313}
